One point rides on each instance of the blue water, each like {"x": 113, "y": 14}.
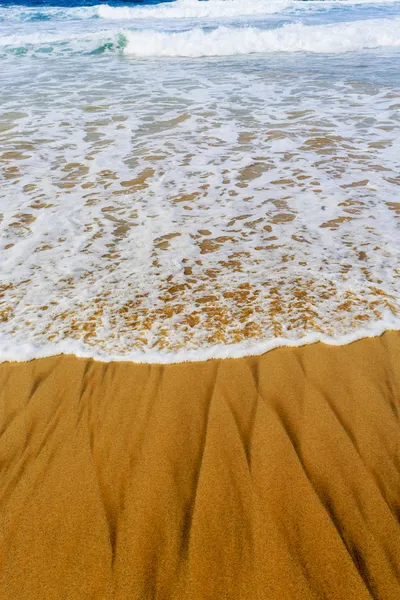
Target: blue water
{"x": 70, "y": 3}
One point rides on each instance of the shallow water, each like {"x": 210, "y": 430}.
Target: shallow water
{"x": 193, "y": 179}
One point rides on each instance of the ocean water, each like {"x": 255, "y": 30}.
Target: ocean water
{"x": 189, "y": 179}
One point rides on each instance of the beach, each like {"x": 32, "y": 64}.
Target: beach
{"x": 271, "y": 477}
{"x": 199, "y": 300}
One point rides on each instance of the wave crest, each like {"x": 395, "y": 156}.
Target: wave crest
{"x": 193, "y": 9}
{"x": 225, "y": 41}
{"x": 221, "y": 41}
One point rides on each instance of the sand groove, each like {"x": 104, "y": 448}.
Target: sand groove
{"x": 274, "y": 477}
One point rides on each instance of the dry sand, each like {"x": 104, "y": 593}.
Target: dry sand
{"x": 275, "y": 477}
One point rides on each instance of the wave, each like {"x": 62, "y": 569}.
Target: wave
{"x": 189, "y": 9}
{"x": 178, "y": 9}
{"x": 225, "y": 41}
{"x": 221, "y": 41}
{"x": 76, "y": 43}
{"x": 47, "y": 13}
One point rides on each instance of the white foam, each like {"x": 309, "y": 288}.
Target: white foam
{"x": 179, "y": 9}
{"x": 218, "y": 9}
{"x": 221, "y": 41}
{"x": 13, "y": 351}
{"x": 178, "y": 213}
{"x": 225, "y": 41}
{"x": 194, "y": 9}
{"x": 48, "y": 37}
{"x": 15, "y": 13}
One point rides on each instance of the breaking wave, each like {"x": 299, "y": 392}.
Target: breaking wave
{"x": 189, "y": 9}
{"x": 221, "y": 41}
{"x": 225, "y": 41}
{"x": 178, "y": 9}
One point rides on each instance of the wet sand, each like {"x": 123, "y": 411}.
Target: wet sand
{"x": 274, "y": 477}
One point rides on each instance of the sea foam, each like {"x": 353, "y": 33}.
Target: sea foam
{"x": 181, "y": 214}
{"x": 225, "y": 41}
{"x": 220, "y": 9}
{"x": 20, "y": 351}
{"x": 193, "y": 9}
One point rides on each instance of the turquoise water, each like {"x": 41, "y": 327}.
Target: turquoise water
{"x": 188, "y": 179}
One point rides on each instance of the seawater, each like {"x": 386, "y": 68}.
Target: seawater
{"x": 190, "y": 179}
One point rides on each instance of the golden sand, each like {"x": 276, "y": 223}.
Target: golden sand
{"x": 275, "y": 477}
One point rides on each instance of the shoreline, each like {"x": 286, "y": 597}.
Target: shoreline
{"x": 27, "y": 352}
{"x": 267, "y": 477}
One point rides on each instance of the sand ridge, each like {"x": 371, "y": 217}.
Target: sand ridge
{"x": 271, "y": 477}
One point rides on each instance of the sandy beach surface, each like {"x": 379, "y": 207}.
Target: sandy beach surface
{"x": 273, "y": 477}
